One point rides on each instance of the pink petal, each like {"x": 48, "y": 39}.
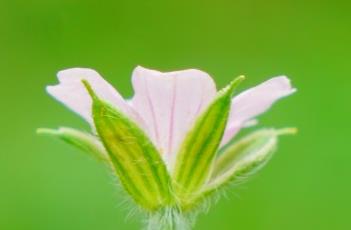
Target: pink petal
{"x": 255, "y": 101}
{"x": 72, "y": 93}
{"x": 169, "y": 103}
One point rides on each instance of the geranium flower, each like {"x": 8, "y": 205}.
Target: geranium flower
{"x": 170, "y": 144}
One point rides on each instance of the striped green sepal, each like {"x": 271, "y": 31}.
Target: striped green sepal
{"x": 243, "y": 158}
{"x": 82, "y": 140}
{"x": 194, "y": 159}
{"x": 137, "y": 162}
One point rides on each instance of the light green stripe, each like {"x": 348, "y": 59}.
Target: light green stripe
{"x": 136, "y": 159}
{"x": 200, "y": 145}
{"x": 241, "y": 159}
{"x": 120, "y": 152}
{"x": 117, "y": 152}
{"x": 204, "y": 151}
{"x": 205, "y": 163}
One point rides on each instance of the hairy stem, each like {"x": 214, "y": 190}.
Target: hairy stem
{"x": 168, "y": 219}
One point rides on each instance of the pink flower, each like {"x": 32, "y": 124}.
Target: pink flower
{"x": 164, "y": 144}
{"x": 165, "y": 105}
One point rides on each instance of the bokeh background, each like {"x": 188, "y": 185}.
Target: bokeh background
{"x": 48, "y": 185}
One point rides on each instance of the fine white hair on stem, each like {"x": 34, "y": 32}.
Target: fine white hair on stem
{"x": 168, "y": 218}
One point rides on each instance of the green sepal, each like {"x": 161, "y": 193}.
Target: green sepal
{"x": 243, "y": 158}
{"x": 136, "y": 160}
{"x": 82, "y": 140}
{"x": 196, "y": 154}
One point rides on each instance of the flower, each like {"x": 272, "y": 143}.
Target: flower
{"x": 170, "y": 130}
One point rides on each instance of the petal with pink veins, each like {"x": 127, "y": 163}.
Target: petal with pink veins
{"x": 254, "y": 102}
{"x": 169, "y": 103}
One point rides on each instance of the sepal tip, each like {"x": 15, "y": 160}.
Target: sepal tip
{"x": 46, "y": 131}
{"x": 89, "y": 89}
{"x": 287, "y": 131}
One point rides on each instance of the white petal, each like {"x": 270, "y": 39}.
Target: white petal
{"x": 72, "y": 93}
{"x": 169, "y": 103}
{"x": 255, "y": 101}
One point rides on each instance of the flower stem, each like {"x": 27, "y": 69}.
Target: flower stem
{"x": 169, "y": 219}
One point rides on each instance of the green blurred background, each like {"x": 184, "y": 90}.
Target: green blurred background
{"x": 47, "y": 185}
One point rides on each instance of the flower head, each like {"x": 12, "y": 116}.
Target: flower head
{"x": 164, "y": 142}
